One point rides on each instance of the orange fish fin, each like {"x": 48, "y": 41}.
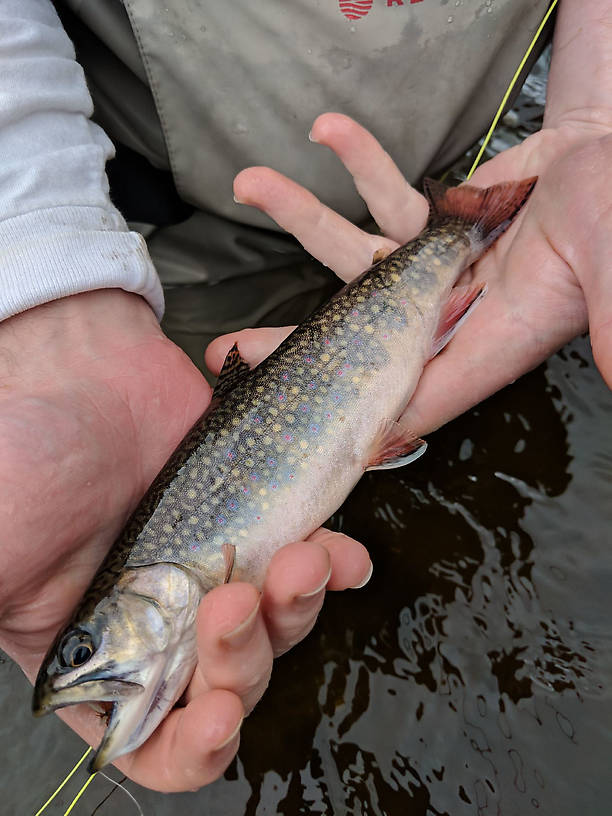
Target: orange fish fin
{"x": 489, "y": 210}
{"x": 232, "y": 371}
{"x": 229, "y": 557}
{"x": 394, "y": 446}
{"x": 461, "y": 301}
{"x": 380, "y": 255}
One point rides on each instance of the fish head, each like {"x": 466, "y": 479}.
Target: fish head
{"x": 135, "y": 649}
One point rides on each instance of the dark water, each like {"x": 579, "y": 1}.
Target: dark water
{"x": 473, "y": 675}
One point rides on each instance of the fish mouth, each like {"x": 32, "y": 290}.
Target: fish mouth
{"x": 83, "y": 690}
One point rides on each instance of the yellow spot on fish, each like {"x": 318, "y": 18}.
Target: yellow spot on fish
{"x": 259, "y": 389}
{"x": 395, "y": 277}
{"x": 263, "y": 491}
{"x": 325, "y": 357}
{"x": 368, "y": 329}
{"x": 265, "y": 506}
{"x": 167, "y": 528}
{"x": 437, "y": 262}
{"x": 303, "y": 444}
{"x": 356, "y": 379}
{"x": 250, "y": 441}
{"x": 276, "y": 427}
{"x": 193, "y": 520}
{"x": 242, "y": 532}
{"x": 295, "y": 390}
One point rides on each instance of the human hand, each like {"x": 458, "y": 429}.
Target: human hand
{"x": 546, "y": 276}
{"x": 93, "y": 399}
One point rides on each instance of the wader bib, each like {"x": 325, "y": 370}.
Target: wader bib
{"x": 203, "y": 89}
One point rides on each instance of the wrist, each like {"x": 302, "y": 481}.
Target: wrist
{"x": 69, "y": 332}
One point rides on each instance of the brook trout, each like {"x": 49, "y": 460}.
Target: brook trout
{"x": 276, "y": 453}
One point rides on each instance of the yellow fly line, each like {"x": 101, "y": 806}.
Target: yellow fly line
{"x": 506, "y": 96}
{"x": 70, "y": 775}
{"x": 79, "y": 794}
{"x": 486, "y": 141}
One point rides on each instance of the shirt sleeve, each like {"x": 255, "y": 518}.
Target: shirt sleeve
{"x": 59, "y": 232}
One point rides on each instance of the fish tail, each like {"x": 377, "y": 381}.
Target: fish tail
{"x": 486, "y": 212}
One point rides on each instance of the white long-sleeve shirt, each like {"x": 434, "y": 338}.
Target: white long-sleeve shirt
{"x": 59, "y": 231}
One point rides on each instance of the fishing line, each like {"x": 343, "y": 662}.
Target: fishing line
{"x": 123, "y": 788}
{"x": 80, "y": 793}
{"x": 58, "y": 789}
{"x": 517, "y": 73}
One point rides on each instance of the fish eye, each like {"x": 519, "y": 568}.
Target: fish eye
{"x": 76, "y": 649}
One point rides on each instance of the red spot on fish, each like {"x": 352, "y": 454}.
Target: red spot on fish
{"x": 327, "y": 341}
{"x": 340, "y": 372}
{"x": 288, "y": 437}
{"x": 281, "y": 397}
{"x": 355, "y": 313}
{"x": 292, "y": 476}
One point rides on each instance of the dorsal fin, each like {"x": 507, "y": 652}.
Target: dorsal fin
{"x": 232, "y": 371}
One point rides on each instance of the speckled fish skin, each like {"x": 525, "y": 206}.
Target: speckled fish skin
{"x": 265, "y": 466}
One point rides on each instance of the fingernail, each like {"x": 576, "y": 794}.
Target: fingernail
{"x": 366, "y": 579}
{"x": 306, "y": 595}
{"x": 229, "y": 739}
{"x": 311, "y": 138}
{"x": 238, "y": 201}
{"x": 241, "y": 634}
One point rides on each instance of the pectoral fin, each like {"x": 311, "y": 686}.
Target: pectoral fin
{"x": 394, "y": 446}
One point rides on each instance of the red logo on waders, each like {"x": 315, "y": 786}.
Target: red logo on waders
{"x": 356, "y": 9}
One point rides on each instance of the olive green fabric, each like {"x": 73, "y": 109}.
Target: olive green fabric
{"x": 205, "y": 89}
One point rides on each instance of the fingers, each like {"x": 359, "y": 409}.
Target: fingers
{"x": 323, "y": 233}
{"x": 398, "y": 209}
{"x": 297, "y": 578}
{"x": 234, "y": 650}
{"x": 351, "y": 567}
{"x": 254, "y": 345}
{"x": 192, "y": 747}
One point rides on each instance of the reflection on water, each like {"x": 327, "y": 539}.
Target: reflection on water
{"x": 471, "y": 676}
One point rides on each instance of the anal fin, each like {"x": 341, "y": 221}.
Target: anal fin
{"x": 461, "y": 301}
{"x": 394, "y": 446}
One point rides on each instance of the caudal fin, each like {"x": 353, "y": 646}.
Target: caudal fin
{"x": 488, "y": 210}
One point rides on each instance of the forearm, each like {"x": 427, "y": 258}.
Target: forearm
{"x": 580, "y": 81}
{"x": 59, "y": 232}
